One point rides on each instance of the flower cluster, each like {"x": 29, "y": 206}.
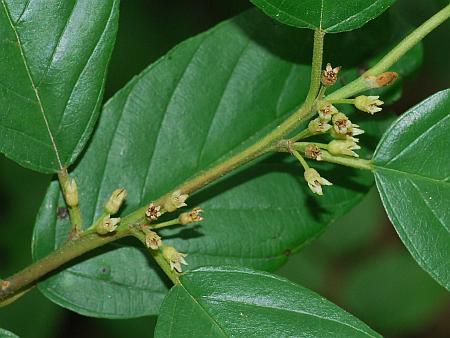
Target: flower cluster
{"x": 154, "y": 211}
{"x": 334, "y": 123}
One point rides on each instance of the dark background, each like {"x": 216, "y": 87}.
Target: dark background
{"x": 359, "y": 263}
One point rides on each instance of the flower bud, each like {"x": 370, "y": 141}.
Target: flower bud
{"x": 152, "y": 240}
{"x": 315, "y": 181}
{"x": 71, "y": 192}
{"x": 346, "y": 137}
{"x": 107, "y": 225}
{"x": 341, "y": 147}
{"x": 175, "y": 201}
{"x": 174, "y": 258}
{"x": 382, "y": 80}
{"x": 191, "y": 216}
{"x": 368, "y": 104}
{"x": 317, "y": 126}
{"x": 115, "y": 201}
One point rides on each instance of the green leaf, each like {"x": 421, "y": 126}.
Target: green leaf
{"x": 229, "y": 302}
{"x": 205, "y": 100}
{"x": 332, "y": 16}
{"x": 412, "y": 175}
{"x": 53, "y": 66}
{"x": 7, "y": 334}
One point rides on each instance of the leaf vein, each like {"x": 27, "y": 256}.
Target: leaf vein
{"x": 220, "y": 100}
{"x": 36, "y": 92}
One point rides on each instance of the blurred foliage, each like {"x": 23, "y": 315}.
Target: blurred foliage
{"x": 358, "y": 263}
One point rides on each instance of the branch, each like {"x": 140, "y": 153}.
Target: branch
{"x": 361, "y": 84}
{"x": 11, "y": 287}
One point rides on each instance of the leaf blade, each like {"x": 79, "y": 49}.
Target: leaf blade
{"x": 7, "y": 334}
{"x": 238, "y": 302}
{"x": 55, "y": 74}
{"x": 404, "y": 174}
{"x": 328, "y": 15}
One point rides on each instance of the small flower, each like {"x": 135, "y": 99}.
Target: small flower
{"x": 107, "y": 225}
{"x": 318, "y": 126}
{"x": 369, "y": 104}
{"x": 315, "y": 182}
{"x": 314, "y": 152}
{"x": 329, "y": 75}
{"x": 191, "y": 217}
{"x": 175, "y": 201}
{"x": 326, "y": 110}
{"x": 152, "y": 240}
{"x": 174, "y": 258}
{"x": 341, "y": 123}
{"x": 115, "y": 201}
{"x": 341, "y": 147}
{"x": 153, "y": 212}
{"x": 71, "y": 192}
{"x": 344, "y": 127}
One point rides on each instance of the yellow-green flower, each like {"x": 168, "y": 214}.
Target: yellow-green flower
{"x": 315, "y": 181}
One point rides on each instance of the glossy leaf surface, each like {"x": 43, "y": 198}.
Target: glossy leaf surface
{"x": 413, "y": 177}
{"x": 332, "y": 16}
{"x": 227, "y": 302}
{"x": 54, "y": 56}
{"x": 7, "y": 334}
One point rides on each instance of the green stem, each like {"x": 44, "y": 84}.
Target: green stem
{"x": 316, "y": 68}
{"x": 165, "y": 224}
{"x": 300, "y": 159}
{"x": 361, "y": 84}
{"x": 22, "y": 280}
{"x": 302, "y": 145}
{"x": 322, "y": 91}
{"x": 347, "y": 161}
{"x": 302, "y": 135}
{"x": 342, "y": 101}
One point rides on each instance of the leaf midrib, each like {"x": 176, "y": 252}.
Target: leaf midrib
{"x": 212, "y": 319}
{"x": 442, "y": 182}
{"x": 336, "y": 26}
{"x": 258, "y": 305}
{"x": 33, "y": 85}
{"x": 276, "y": 308}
